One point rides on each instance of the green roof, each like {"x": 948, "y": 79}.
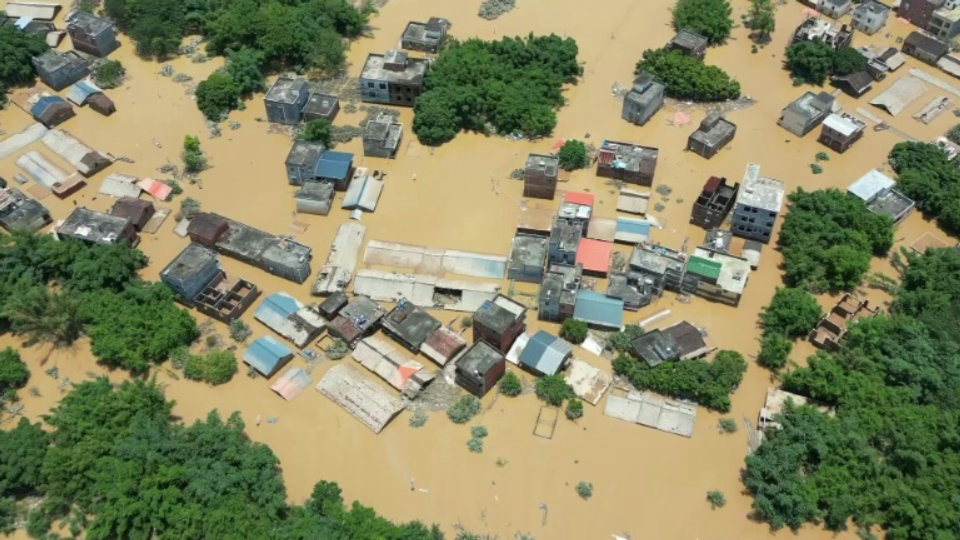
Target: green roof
{"x": 704, "y": 267}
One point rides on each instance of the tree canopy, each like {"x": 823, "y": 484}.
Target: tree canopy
{"x": 317, "y": 130}
{"x": 927, "y": 176}
{"x": 813, "y": 61}
{"x": 573, "y": 155}
{"x": 16, "y": 49}
{"x": 792, "y": 312}
{"x": 761, "y": 20}
{"x": 217, "y": 95}
{"x": 507, "y": 86}
{"x": 827, "y": 240}
{"x": 709, "y": 18}
{"x": 708, "y": 383}
{"x": 13, "y": 372}
{"x": 686, "y": 77}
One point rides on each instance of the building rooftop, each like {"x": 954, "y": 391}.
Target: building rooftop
{"x": 135, "y": 210}
{"x": 430, "y": 32}
{"x": 287, "y": 90}
{"x": 566, "y": 234}
{"x": 676, "y": 342}
{"x": 334, "y": 164}
{"x": 631, "y": 157}
{"x": 395, "y": 67}
{"x": 870, "y": 185}
{"x": 53, "y": 60}
{"x": 315, "y": 191}
{"x": 332, "y": 304}
{"x": 578, "y": 197}
{"x": 759, "y": 191}
{"x": 594, "y": 255}
{"x": 892, "y": 204}
{"x": 528, "y": 250}
{"x": 304, "y": 153}
{"x": 545, "y": 353}
{"x": 713, "y": 130}
{"x": 926, "y": 43}
{"x": 645, "y": 89}
{"x": 320, "y": 104}
{"x": 657, "y": 259}
{"x": 597, "y": 309}
{"x": 93, "y": 226}
{"x": 811, "y": 105}
{"x": 562, "y": 280}
{"x": 870, "y": 7}
{"x": 499, "y": 314}
{"x": 479, "y": 358}
{"x": 189, "y": 263}
{"x": 21, "y": 213}
{"x": 844, "y": 124}
{"x": 546, "y": 164}
{"x": 950, "y": 14}
{"x": 89, "y": 23}
{"x": 729, "y": 272}
{"x": 385, "y": 130}
{"x": 689, "y": 40}
{"x": 410, "y": 323}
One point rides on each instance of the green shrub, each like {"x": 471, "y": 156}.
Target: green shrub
{"x": 511, "y": 385}
{"x": 478, "y": 432}
{"x": 317, "y": 130}
{"x": 464, "y": 409}
{"x": 621, "y": 342}
{"x": 338, "y": 349}
{"x": 13, "y": 372}
{"x": 215, "y": 367}
{"x": 419, "y": 419}
{"x": 553, "y": 389}
{"x": 193, "y": 159}
{"x": 574, "y": 409}
{"x": 109, "y": 74}
{"x": 774, "y": 351}
{"x": 475, "y": 445}
{"x": 716, "y": 498}
{"x": 584, "y": 490}
{"x": 239, "y": 331}
{"x": 573, "y": 155}
{"x": 727, "y": 425}
{"x": 574, "y": 331}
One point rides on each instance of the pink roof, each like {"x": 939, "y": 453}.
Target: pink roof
{"x": 579, "y": 197}
{"x": 291, "y": 383}
{"x": 558, "y": 144}
{"x": 159, "y": 190}
{"x": 594, "y": 255}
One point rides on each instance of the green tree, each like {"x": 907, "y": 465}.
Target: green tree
{"x": 239, "y": 331}
{"x": 193, "y": 159}
{"x": 42, "y": 315}
{"x": 13, "y": 372}
{"x": 553, "y": 389}
{"x": 189, "y": 207}
{"x": 727, "y": 425}
{"x": 848, "y": 60}
{"x": 217, "y": 96}
{"x": 16, "y": 50}
{"x": 510, "y": 384}
{"x": 22, "y": 453}
{"x": 215, "y": 367}
{"x": 245, "y": 68}
{"x": 574, "y": 331}
{"x": 686, "y": 77}
{"x": 573, "y": 155}
{"x": 464, "y": 409}
{"x": 109, "y": 74}
{"x": 317, "y": 130}
{"x": 707, "y": 383}
{"x": 792, "y": 312}
{"x": 774, "y": 350}
{"x": 622, "y": 342}
{"x": 810, "y": 61}
{"x": 953, "y": 135}
{"x": 761, "y": 20}
{"x": 927, "y": 176}
{"x": 716, "y": 499}
{"x": 709, "y": 18}
{"x": 574, "y": 409}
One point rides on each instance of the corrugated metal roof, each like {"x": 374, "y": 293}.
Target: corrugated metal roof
{"x": 578, "y": 197}
{"x": 545, "y": 353}
{"x": 594, "y": 255}
{"x": 278, "y": 304}
{"x": 44, "y": 102}
{"x": 291, "y": 383}
{"x": 703, "y": 267}
{"x": 595, "y": 308}
{"x": 363, "y": 193}
{"x": 157, "y": 189}
{"x": 334, "y": 165}
{"x": 265, "y": 354}
{"x": 79, "y": 92}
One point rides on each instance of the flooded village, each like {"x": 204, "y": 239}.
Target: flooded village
{"x": 442, "y": 268}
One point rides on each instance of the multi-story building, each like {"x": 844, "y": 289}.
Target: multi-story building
{"x": 643, "y": 100}
{"x": 758, "y": 205}
{"x": 392, "y": 78}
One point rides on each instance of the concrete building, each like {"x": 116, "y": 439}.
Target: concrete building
{"x": 91, "y": 34}
{"x": 381, "y": 136}
{"x": 877, "y": 191}
{"x": 558, "y": 292}
{"x": 443, "y": 345}
{"x": 658, "y": 268}
{"x": 680, "y": 341}
{"x": 52, "y": 111}
{"x": 299, "y": 323}
{"x": 332, "y": 305}
{"x": 689, "y": 43}
{"x": 945, "y": 23}
{"x": 137, "y": 211}
{"x": 528, "y": 256}
{"x": 314, "y": 198}
{"x": 918, "y": 12}
{"x": 619, "y": 287}
{"x": 870, "y": 16}
{"x": 60, "y": 70}
{"x": 714, "y": 202}
{"x": 540, "y": 176}
{"x": 392, "y": 78}
{"x": 632, "y": 163}
{"x": 285, "y": 99}
{"x": 480, "y": 368}
{"x": 21, "y": 213}
{"x": 425, "y": 37}
{"x": 714, "y": 133}
{"x": 840, "y": 131}
{"x": 191, "y": 271}
{"x": 564, "y": 242}
{"x": 577, "y": 207}
{"x": 409, "y": 325}
{"x": 97, "y": 228}
{"x": 320, "y": 106}
{"x": 358, "y": 319}
{"x": 335, "y": 167}
{"x": 758, "y": 205}
{"x": 854, "y": 84}
{"x": 719, "y": 276}
{"x": 816, "y": 29}
{"x": 302, "y": 161}
{"x": 643, "y": 100}
{"x": 806, "y": 112}
{"x": 499, "y": 322}
{"x": 835, "y": 8}
{"x": 925, "y": 48}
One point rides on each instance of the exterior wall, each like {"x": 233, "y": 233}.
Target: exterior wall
{"x": 836, "y": 141}
{"x": 530, "y": 274}
{"x": 705, "y": 150}
{"x": 918, "y": 12}
{"x": 412, "y": 45}
{"x": 920, "y": 54}
{"x": 100, "y": 45}
{"x": 753, "y": 223}
{"x": 285, "y": 113}
{"x": 797, "y": 124}
{"x": 501, "y": 342}
{"x": 320, "y": 208}
{"x": 538, "y": 185}
{"x": 374, "y": 90}
{"x": 62, "y": 78}
{"x": 404, "y": 94}
{"x": 945, "y": 29}
{"x": 188, "y": 288}
{"x": 637, "y": 114}
{"x": 714, "y": 292}
{"x": 333, "y": 113}
{"x": 835, "y": 9}
{"x": 375, "y": 149}
{"x": 630, "y": 177}
{"x": 297, "y": 175}
{"x": 869, "y": 23}
{"x": 480, "y": 388}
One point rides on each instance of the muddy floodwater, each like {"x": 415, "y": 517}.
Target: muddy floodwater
{"x": 647, "y": 484}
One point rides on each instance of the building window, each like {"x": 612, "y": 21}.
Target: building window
{"x": 383, "y": 86}
{"x": 370, "y": 84}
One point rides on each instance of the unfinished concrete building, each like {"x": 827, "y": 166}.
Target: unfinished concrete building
{"x": 314, "y": 198}
{"x": 632, "y": 163}
{"x": 480, "y": 368}
{"x": 714, "y": 133}
{"x": 98, "y": 228}
{"x": 285, "y": 99}
{"x": 409, "y": 325}
{"x": 540, "y": 176}
{"x": 19, "y": 213}
{"x": 197, "y": 278}
{"x": 558, "y": 292}
{"x": 392, "y": 78}
{"x": 528, "y": 256}
{"x": 643, "y": 99}
{"x": 425, "y": 37}
{"x": 834, "y": 325}
{"x": 91, "y": 34}
{"x": 382, "y": 136}
{"x": 499, "y": 322}
{"x": 714, "y": 202}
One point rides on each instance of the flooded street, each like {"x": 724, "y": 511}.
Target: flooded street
{"x": 648, "y": 484}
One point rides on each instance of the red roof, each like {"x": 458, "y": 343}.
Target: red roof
{"x": 594, "y": 255}
{"x": 579, "y": 197}
{"x": 712, "y": 184}
{"x": 159, "y": 190}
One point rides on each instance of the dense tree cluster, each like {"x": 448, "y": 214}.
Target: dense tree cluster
{"x": 16, "y": 49}
{"x": 214, "y": 367}
{"x": 574, "y": 331}
{"x": 116, "y": 465}
{"x": 708, "y": 383}
{"x": 792, "y": 313}
{"x": 827, "y": 240}
{"x": 13, "y": 373}
{"x": 761, "y": 20}
{"x": 109, "y": 74}
{"x": 927, "y": 176}
{"x": 241, "y": 76}
{"x": 686, "y": 77}
{"x": 709, "y": 18}
{"x": 890, "y": 454}
{"x": 507, "y": 86}
{"x": 813, "y": 61}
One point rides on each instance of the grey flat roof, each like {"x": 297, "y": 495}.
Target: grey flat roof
{"x": 89, "y": 23}
{"x": 688, "y": 39}
{"x": 19, "y": 212}
{"x": 499, "y": 314}
{"x": 53, "y": 60}
{"x": 315, "y": 191}
{"x": 322, "y": 104}
{"x": 286, "y": 90}
{"x": 645, "y": 88}
{"x": 656, "y": 259}
{"x": 93, "y": 226}
{"x": 891, "y": 204}
{"x": 720, "y": 128}
{"x": 631, "y": 157}
{"x": 528, "y": 250}
{"x": 760, "y": 192}
{"x": 480, "y": 357}
{"x": 411, "y": 323}
{"x": 812, "y": 105}
{"x": 430, "y": 32}
{"x": 545, "y": 163}
{"x": 190, "y": 262}
{"x": 413, "y": 73}
{"x": 304, "y": 153}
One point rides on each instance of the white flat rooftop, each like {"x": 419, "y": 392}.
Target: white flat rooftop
{"x": 870, "y": 185}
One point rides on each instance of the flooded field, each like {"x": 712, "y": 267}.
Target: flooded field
{"x": 647, "y": 484}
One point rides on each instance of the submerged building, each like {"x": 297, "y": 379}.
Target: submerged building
{"x": 285, "y": 99}
{"x": 877, "y": 191}
{"x": 714, "y": 202}
{"x": 91, "y": 34}
{"x": 98, "y": 228}
{"x": 632, "y": 163}
{"x": 758, "y": 205}
{"x": 714, "y": 133}
{"x": 643, "y": 99}
{"x": 499, "y": 322}
{"x": 425, "y": 37}
{"x": 540, "y": 175}
{"x": 392, "y": 78}
{"x": 21, "y": 213}
{"x": 199, "y": 281}
{"x": 480, "y": 368}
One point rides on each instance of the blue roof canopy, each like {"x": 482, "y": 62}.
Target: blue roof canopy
{"x": 595, "y": 308}
{"x": 44, "y": 102}
{"x": 545, "y": 353}
{"x": 333, "y": 165}
{"x": 266, "y": 354}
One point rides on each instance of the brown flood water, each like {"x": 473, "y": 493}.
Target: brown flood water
{"x": 647, "y": 483}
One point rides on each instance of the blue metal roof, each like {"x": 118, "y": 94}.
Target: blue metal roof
{"x": 79, "y": 92}
{"x": 43, "y": 103}
{"x": 276, "y": 309}
{"x": 266, "y": 354}
{"x": 333, "y": 165}
{"x": 634, "y": 226}
{"x": 595, "y": 308}
{"x": 545, "y": 353}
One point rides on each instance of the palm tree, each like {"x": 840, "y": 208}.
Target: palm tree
{"x": 43, "y": 315}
